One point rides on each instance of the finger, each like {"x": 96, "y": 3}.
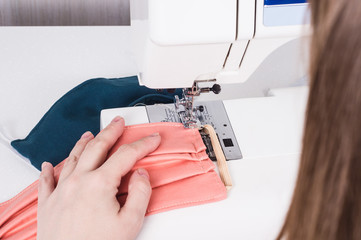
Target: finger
{"x": 122, "y": 161}
{"x": 46, "y": 182}
{"x": 97, "y": 149}
{"x": 139, "y": 192}
{"x": 72, "y": 160}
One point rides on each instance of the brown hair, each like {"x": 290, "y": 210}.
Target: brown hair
{"x": 327, "y": 199}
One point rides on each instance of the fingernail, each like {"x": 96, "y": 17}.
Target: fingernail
{"x": 43, "y": 165}
{"x": 142, "y": 172}
{"x": 154, "y": 135}
{"x": 86, "y": 135}
{"x": 116, "y": 119}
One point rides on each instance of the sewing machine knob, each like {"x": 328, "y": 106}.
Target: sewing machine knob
{"x": 216, "y": 88}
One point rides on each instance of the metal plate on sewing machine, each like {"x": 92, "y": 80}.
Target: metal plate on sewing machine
{"x": 213, "y": 114}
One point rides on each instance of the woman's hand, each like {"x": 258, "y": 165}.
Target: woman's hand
{"x": 83, "y": 205}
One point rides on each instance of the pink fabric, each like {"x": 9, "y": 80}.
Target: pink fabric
{"x": 181, "y": 175}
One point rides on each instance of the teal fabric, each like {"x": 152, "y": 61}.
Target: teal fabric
{"x": 78, "y": 111}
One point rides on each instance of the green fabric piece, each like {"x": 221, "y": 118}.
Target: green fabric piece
{"x": 78, "y": 111}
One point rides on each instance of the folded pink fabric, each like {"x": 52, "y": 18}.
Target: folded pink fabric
{"x": 181, "y": 175}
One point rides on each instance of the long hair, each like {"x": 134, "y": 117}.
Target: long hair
{"x": 327, "y": 199}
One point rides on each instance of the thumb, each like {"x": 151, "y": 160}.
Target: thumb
{"x": 46, "y": 182}
{"x": 139, "y": 192}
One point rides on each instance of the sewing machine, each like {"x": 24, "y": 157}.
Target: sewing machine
{"x": 200, "y": 46}
{"x": 174, "y": 44}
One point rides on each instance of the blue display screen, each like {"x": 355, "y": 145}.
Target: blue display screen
{"x": 283, "y": 2}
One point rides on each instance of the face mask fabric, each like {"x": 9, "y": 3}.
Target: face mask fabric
{"x": 78, "y": 111}
{"x": 181, "y": 175}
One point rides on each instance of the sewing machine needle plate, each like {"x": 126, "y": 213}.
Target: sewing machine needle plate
{"x": 210, "y": 112}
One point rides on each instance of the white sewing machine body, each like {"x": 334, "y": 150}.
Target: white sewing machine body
{"x": 189, "y": 44}
{"x": 182, "y": 41}
{"x": 170, "y": 44}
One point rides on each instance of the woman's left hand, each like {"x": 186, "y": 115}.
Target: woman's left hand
{"x": 83, "y": 205}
